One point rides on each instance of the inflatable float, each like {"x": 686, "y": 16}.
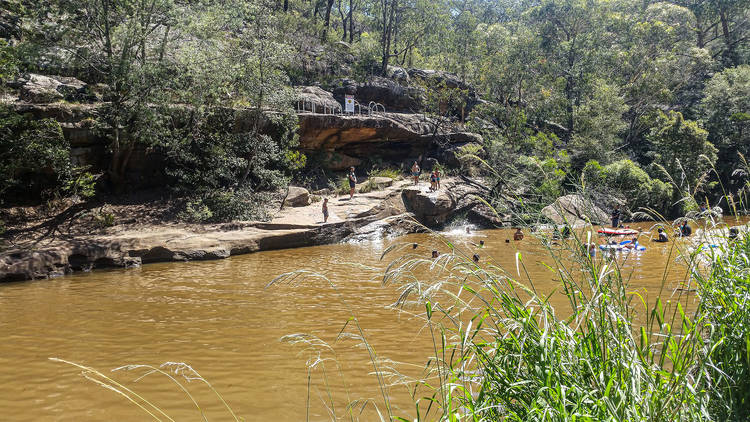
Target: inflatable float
{"x": 617, "y": 232}
{"x": 623, "y": 246}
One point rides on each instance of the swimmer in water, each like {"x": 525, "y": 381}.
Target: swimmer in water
{"x": 435, "y": 254}
{"x": 518, "y": 235}
{"x": 475, "y": 258}
{"x": 662, "y": 236}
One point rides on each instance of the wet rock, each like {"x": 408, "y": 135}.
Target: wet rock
{"x": 297, "y": 197}
{"x": 574, "y": 210}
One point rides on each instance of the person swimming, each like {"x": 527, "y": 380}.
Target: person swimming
{"x": 661, "y": 236}
{"x": 475, "y": 258}
{"x": 685, "y": 229}
{"x": 435, "y": 254}
{"x": 518, "y": 235}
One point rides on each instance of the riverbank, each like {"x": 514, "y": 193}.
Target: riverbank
{"x": 394, "y": 208}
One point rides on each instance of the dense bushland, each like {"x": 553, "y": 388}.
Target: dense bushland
{"x": 563, "y": 83}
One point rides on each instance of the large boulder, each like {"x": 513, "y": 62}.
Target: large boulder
{"x": 435, "y": 209}
{"x": 574, "y": 210}
{"x": 41, "y": 89}
{"x": 297, "y": 197}
{"x": 394, "y": 96}
{"x": 316, "y": 99}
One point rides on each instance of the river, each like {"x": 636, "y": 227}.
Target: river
{"x": 219, "y": 317}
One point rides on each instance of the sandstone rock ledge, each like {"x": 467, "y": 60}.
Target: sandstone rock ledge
{"x": 393, "y": 210}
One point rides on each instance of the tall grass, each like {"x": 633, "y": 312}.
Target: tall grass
{"x": 502, "y": 351}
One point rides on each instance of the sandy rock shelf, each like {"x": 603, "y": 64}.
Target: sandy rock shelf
{"x": 396, "y": 209}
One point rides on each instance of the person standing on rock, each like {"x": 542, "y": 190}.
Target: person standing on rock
{"x": 437, "y": 179}
{"x": 415, "y": 170}
{"x": 325, "y": 210}
{"x": 352, "y": 182}
{"x": 616, "y": 217}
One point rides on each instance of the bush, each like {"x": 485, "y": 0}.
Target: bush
{"x": 724, "y": 295}
{"x": 226, "y": 205}
{"x": 626, "y": 180}
{"x": 34, "y": 156}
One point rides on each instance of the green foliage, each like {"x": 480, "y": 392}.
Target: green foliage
{"x": 544, "y": 178}
{"x": 104, "y": 219}
{"x": 82, "y": 183}
{"x": 226, "y": 205}
{"x": 34, "y": 156}
{"x": 8, "y": 62}
{"x": 210, "y": 155}
{"x": 680, "y": 152}
{"x": 625, "y": 179}
{"x": 725, "y": 113}
{"x": 393, "y": 173}
{"x": 724, "y": 292}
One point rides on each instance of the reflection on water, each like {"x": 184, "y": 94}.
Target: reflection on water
{"x": 219, "y": 317}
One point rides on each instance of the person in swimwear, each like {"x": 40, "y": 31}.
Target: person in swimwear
{"x": 352, "y": 182}
{"x": 437, "y": 179}
{"x": 433, "y": 181}
{"x": 415, "y": 170}
{"x": 325, "y": 210}
{"x": 661, "y": 236}
{"x": 518, "y": 235}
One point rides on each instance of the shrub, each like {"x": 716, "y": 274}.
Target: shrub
{"x": 724, "y": 293}
{"x": 226, "y": 205}
{"x": 34, "y": 156}
{"x": 625, "y": 179}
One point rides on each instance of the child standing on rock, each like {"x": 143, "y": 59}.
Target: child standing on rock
{"x": 325, "y": 210}
{"x": 433, "y": 181}
{"x": 352, "y": 182}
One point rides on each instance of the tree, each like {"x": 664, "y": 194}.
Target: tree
{"x": 124, "y": 43}
{"x": 726, "y": 115}
{"x": 34, "y": 156}
{"x": 681, "y": 153}
{"x": 570, "y": 40}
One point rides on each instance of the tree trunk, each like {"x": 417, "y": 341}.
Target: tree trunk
{"x": 729, "y": 54}
{"x": 343, "y": 21}
{"x": 329, "y": 6}
{"x": 351, "y": 21}
{"x": 387, "y": 37}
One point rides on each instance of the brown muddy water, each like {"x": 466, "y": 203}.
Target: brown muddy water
{"x": 220, "y": 318}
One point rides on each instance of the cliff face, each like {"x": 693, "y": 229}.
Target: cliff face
{"x": 338, "y": 139}
{"x": 389, "y": 136}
